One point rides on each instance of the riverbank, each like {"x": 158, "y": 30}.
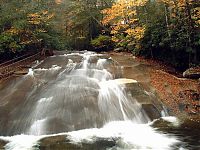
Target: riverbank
{"x": 180, "y": 95}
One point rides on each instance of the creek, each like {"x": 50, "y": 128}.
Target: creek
{"x": 85, "y": 100}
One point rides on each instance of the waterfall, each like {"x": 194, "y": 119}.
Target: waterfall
{"x": 80, "y": 96}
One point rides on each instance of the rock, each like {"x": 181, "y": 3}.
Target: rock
{"x": 125, "y": 81}
{"x": 63, "y": 142}
{"x": 120, "y": 49}
{"x": 2, "y": 144}
{"x": 192, "y": 73}
{"x": 21, "y": 72}
{"x": 151, "y": 111}
{"x": 131, "y": 46}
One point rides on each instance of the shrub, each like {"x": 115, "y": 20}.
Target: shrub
{"x": 102, "y": 42}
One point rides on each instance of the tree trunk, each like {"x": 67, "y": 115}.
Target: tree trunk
{"x": 167, "y": 21}
{"x": 190, "y": 26}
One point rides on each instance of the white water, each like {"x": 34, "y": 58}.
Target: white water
{"x": 172, "y": 120}
{"x": 30, "y": 72}
{"x": 21, "y": 142}
{"x": 130, "y": 136}
{"x": 53, "y": 68}
{"x": 111, "y": 92}
{"x": 65, "y": 97}
{"x": 127, "y": 135}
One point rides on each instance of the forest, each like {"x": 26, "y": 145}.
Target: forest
{"x": 165, "y": 30}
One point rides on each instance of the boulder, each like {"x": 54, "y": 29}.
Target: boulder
{"x": 192, "y": 73}
{"x": 119, "y": 49}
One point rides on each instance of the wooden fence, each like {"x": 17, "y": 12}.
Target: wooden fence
{"x": 8, "y": 68}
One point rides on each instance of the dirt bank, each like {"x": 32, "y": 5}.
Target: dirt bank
{"x": 180, "y": 95}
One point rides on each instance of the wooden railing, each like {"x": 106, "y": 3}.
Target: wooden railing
{"x": 8, "y": 68}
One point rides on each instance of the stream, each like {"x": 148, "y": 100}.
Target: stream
{"x": 89, "y": 101}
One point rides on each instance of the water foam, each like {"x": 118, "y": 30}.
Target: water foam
{"x": 38, "y": 127}
{"x": 53, "y": 68}
{"x": 21, "y": 142}
{"x": 126, "y": 134}
{"x": 114, "y": 102}
{"x": 44, "y": 100}
{"x": 100, "y": 63}
{"x": 175, "y": 121}
{"x": 30, "y": 72}
{"x": 132, "y": 136}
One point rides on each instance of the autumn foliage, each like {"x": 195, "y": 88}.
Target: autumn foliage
{"x": 161, "y": 29}
{"x": 26, "y": 26}
{"x": 123, "y": 20}
{"x": 168, "y": 30}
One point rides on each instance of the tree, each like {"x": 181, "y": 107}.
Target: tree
{"x": 169, "y": 33}
{"x": 123, "y": 20}
{"x": 25, "y": 25}
{"x": 83, "y": 21}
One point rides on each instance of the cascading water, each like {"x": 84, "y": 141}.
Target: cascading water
{"x": 78, "y": 96}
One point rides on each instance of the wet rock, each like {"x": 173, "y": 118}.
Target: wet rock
{"x": 93, "y": 59}
{"x": 115, "y": 71}
{"x": 62, "y": 142}
{"x": 2, "y": 144}
{"x": 161, "y": 124}
{"x": 56, "y": 142}
{"x": 133, "y": 88}
{"x": 151, "y": 111}
{"x": 193, "y": 73}
{"x": 59, "y": 60}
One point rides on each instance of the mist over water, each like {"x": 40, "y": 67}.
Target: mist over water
{"x": 84, "y": 96}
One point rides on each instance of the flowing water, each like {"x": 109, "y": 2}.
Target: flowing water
{"x": 88, "y": 101}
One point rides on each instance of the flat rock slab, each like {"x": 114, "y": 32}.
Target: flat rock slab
{"x": 21, "y": 72}
{"x": 125, "y": 81}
